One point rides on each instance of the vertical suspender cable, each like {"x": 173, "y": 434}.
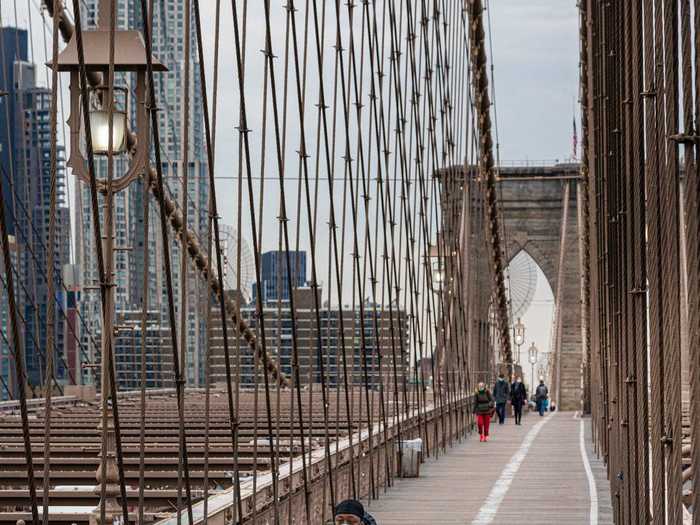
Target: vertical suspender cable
{"x": 303, "y": 159}
{"x": 209, "y": 131}
{"x": 654, "y": 88}
{"x": 584, "y": 201}
{"x": 209, "y": 299}
{"x": 50, "y": 272}
{"x": 179, "y": 382}
{"x": 83, "y": 81}
{"x": 18, "y": 356}
{"x": 144, "y": 346}
{"x": 693, "y": 242}
{"x": 184, "y": 207}
{"x": 639, "y": 275}
{"x": 670, "y": 232}
{"x": 244, "y": 130}
{"x": 144, "y": 326}
{"x": 288, "y": 262}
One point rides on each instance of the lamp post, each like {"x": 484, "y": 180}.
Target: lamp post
{"x": 437, "y": 267}
{"x": 437, "y": 285}
{"x": 533, "y": 360}
{"x": 108, "y": 110}
{"x": 519, "y": 335}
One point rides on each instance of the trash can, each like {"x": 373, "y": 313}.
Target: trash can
{"x": 411, "y": 450}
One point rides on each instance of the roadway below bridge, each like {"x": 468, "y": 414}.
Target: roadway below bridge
{"x": 542, "y": 472}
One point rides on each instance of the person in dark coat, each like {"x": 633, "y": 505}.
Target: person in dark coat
{"x": 352, "y": 512}
{"x": 518, "y": 397}
{"x": 541, "y": 394}
{"x": 483, "y": 408}
{"x": 501, "y": 393}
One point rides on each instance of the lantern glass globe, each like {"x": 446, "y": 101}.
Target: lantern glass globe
{"x": 99, "y": 131}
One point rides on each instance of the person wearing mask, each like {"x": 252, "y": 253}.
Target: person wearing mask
{"x": 518, "y": 397}
{"x": 541, "y": 393}
{"x": 483, "y": 408}
{"x": 501, "y": 393}
{"x": 352, "y": 512}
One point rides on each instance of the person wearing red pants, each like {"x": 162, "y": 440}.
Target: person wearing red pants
{"x": 483, "y": 408}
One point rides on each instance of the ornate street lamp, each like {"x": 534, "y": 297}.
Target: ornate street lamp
{"x": 129, "y": 58}
{"x": 105, "y": 101}
{"x": 532, "y": 352}
{"x": 519, "y": 335}
{"x": 437, "y": 267}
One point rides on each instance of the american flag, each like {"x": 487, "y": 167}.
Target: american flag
{"x": 575, "y": 139}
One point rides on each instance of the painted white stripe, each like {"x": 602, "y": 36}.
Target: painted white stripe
{"x": 488, "y": 511}
{"x": 592, "y": 490}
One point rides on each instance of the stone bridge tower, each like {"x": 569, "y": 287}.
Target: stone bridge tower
{"x": 532, "y": 212}
{"x": 531, "y": 201}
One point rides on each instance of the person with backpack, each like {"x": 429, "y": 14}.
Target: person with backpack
{"x": 501, "y": 393}
{"x": 541, "y": 394}
{"x": 483, "y": 408}
{"x": 518, "y": 397}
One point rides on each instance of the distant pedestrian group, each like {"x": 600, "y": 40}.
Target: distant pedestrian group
{"x": 489, "y": 402}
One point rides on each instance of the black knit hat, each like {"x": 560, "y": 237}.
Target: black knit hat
{"x": 350, "y": 506}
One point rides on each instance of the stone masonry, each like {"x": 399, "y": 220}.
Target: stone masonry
{"x": 531, "y": 200}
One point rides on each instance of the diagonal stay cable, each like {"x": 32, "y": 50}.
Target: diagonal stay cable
{"x": 283, "y": 219}
{"x": 51, "y": 306}
{"x": 333, "y": 226}
{"x": 244, "y": 130}
{"x": 179, "y": 382}
{"x": 303, "y": 158}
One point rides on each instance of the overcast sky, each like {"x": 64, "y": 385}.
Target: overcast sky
{"x": 535, "y": 58}
{"x": 536, "y": 76}
{"x": 536, "y": 48}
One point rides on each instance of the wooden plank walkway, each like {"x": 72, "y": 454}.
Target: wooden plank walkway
{"x": 533, "y": 473}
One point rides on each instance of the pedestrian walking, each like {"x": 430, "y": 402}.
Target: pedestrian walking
{"x": 541, "y": 393}
{"x": 483, "y": 408}
{"x": 501, "y": 394}
{"x": 518, "y": 397}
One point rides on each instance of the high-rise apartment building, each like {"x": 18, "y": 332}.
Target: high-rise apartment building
{"x": 274, "y": 281}
{"x": 8, "y": 384}
{"x": 386, "y": 336}
{"x": 13, "y": 48}
{"x": 128, "y": 344}
{"x": 170, "y": 49}
{"x": 26, "y": 175}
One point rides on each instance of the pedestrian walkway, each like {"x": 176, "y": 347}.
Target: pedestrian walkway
{"x": 534, "y": 473}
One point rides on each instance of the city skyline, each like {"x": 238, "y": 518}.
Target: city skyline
{"x": 129, "y": 203}
{"x": 522, "y": 43}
